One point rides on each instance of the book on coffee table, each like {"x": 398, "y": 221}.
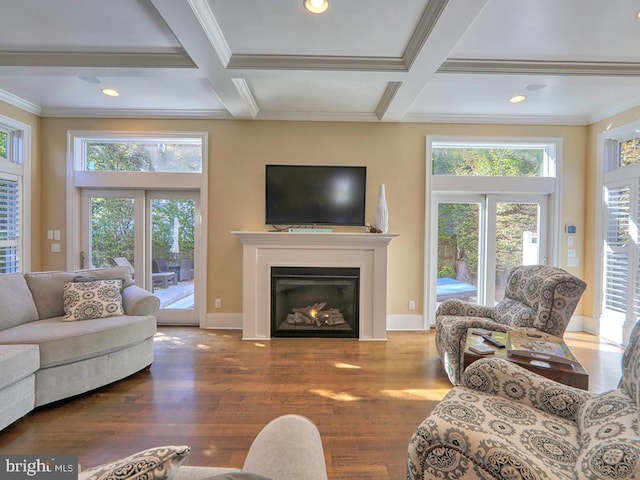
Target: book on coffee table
{"x": 540, "y": 346}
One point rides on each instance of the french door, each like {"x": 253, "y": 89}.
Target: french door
{"x": 477, "y": 238}
{"x": 153, "y": 233}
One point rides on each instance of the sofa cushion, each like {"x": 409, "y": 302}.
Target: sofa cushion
{"x": 160, "y": 463}
{"x": 46, "y": 288}
{"x": 16, "y": 300}
{"x": 109, "y": 273}
{"x": 609, "y": 437}
{"x": 17, "y": 362}
{"x": 91, "y": 300}
{"x": 80, "y": 340}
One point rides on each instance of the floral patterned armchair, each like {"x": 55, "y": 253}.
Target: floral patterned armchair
{"x": 536, "y": 297}
{"x": 504, "y": 422}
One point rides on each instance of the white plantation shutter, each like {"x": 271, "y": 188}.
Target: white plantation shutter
{"x": 617, "y": 249}
{"x": 10, "y": 250}
{"x": 622, "y": 261}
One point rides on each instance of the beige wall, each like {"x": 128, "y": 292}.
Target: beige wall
{"x": 238, "y": 150}
{"x": 33, "y": 121}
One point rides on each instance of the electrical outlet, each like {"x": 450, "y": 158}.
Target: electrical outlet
{"x": 218, "y": 303}
{"x": 55, "y": 247}
{"x": 412, "y": 304}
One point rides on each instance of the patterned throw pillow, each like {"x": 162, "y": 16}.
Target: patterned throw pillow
{"x": 97, "y": 299}
{"x": 160, "y": 463}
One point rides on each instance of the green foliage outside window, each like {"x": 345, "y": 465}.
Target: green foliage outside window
{"x": 4, "y": 137}
{"x": 143, "y": 157}
{"x": 490, "y": 162}
{"x": 629, "y": 152}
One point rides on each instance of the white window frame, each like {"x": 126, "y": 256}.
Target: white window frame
{"x": 608, "y": 173}
{"x": 17, "y": 165}
{"x": 437, "y": 185}
{"x": 78, "y": 178}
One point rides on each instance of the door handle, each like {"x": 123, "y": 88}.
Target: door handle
{"x": 82, "y": 258}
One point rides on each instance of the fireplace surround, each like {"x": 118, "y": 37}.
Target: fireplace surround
{"x": 364, "y": 251}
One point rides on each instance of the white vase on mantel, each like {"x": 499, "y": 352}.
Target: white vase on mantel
{"x": 382, "y": 212}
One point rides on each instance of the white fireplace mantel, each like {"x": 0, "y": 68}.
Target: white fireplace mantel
{"x": 263, "y": 250}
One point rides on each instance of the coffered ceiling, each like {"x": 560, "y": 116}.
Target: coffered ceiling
{"x": 577, "y": 61}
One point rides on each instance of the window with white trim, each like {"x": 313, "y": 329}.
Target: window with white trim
{"x": 12, "y": 225}
{"x": 620, "y": 304}
{"x": 492, "y": 205}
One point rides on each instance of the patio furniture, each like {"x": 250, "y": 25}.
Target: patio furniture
{"x": 186, "y": 269}
{"x": 158, "y": 278}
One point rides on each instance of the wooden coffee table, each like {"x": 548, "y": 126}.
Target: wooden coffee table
{"x": 574, "y": 374}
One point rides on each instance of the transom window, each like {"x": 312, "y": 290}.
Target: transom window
{"x": 143, "y": 155}
{"x": 629, "y": 152}
{"x": 492, "y": 159}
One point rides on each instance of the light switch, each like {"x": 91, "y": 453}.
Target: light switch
{"x": 570, "y": 240}
{"x": 49, "y": 234}
{"x": 572, "y": 262}
{"x": 571, "y": 253}
{"x": 56, "y": 234}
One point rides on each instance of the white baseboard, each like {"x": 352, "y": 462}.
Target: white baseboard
{"x": 405, "y": 323}
{"x": 230, "y": 321}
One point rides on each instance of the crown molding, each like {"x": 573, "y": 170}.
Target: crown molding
{"x": 134, "y": 113}
{"x": 176, "y": 58}
{"x": 570, "y": 120}
{"x": 387, "y": 98}
{"x": 614, "y": 110}
{"x": 539, "y": 67}
{"x": 245, "y": 92}
{"x": 212, "y": 29}
{"x": 20, "y": 103}
{"x": 316, "y": 62}
{"x": 427, "y": 22}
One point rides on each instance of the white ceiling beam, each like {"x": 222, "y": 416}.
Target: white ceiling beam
{"x": 187, "y": 28}
{"x": 453, "y": 20}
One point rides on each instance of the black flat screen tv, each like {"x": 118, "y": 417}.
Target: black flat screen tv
{"x": 315, "y": 195}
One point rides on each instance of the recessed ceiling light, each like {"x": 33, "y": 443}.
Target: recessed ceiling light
{"x": 638, "y": 14}
{"x": 110, "y": 92}
{"x": 517, "y": 99}
{"x": 316, "y": 6}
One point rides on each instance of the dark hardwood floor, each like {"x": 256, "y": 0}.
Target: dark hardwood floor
{"x": 213, "y": 391}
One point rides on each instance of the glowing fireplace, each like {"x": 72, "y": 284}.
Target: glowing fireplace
{"x": 314, "y": 301}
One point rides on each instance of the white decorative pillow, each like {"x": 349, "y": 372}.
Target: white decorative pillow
{"x": 160, "y": 463}
{"x": 96, "y": 299}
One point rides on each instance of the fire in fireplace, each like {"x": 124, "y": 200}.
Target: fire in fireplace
{"x": 314, "y": 302}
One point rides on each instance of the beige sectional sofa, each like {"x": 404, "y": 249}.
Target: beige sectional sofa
{"x": 44, "y": 359}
